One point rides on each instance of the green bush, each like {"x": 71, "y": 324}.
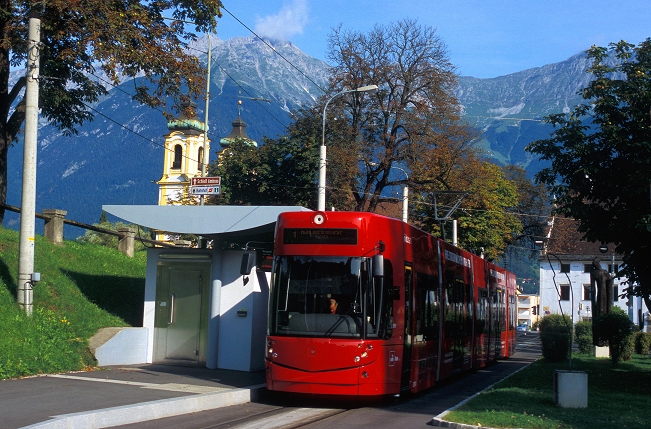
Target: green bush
{"x": 555, "y": 335}
{"x": 627, "y": 348}
{"x": 583, "y": 337}
{"x": 109, "y": 240}
{"x": 615, "y": 329}
{"x": 642, "y": 343}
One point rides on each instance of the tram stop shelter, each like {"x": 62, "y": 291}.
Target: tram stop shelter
{"x": 198, "y": 308}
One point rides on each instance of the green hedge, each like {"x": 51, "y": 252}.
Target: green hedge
{"x": 616, "y": 329}
{"x": 583, "y": 337}
{"x": 555, "y": 335}
{"x": 642, "y": 343}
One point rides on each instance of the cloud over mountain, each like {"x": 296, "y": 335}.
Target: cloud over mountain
{"x": 285, "y": 24}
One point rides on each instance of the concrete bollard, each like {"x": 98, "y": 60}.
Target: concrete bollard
{"x": 126, "y": 241}
{"x": 571, "y": 389}
{"x": 54, "y": 225}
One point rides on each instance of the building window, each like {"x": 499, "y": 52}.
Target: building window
{"x": 587, "y": 292}
{"x": 200, "y": 158}
{"x": 610, "y": 268}
{"x": 587, "y": 268}
{"x": 565, "y": 268}
{"x": 615, "y": 293}
{"x": 565, "y": 292}
{"x": 178, "y": 155}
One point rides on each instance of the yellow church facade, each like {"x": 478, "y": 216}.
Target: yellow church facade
{"x": 186, "y": 155}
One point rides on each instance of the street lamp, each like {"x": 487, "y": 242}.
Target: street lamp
{"x": 322, "y": 150}
{"x": 405, "y": 195}
{"x": 405, "y": 192}
{"x": 603, "y": 249}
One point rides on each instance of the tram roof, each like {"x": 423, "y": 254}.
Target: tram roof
{"x": 203, "y": 220}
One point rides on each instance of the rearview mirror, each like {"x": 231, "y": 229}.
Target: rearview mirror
{"x": 378, "y": 265}
{"x": 248, "y": 259}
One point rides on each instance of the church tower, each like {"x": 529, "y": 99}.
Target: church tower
{"x": 183, "y": 158}
{"x": 238, "y": 132}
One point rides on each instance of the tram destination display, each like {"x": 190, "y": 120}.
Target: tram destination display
{"x": 320, "y": 236}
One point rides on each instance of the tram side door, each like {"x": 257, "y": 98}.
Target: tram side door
{"x": 408, "y": 337}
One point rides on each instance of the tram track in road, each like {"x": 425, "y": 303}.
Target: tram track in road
{"x": 279, "y": 418}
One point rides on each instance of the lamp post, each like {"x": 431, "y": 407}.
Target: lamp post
{"x": 405, "y": 192}
{"x": 322, "y": 149}
{"x": 405, "y": 196}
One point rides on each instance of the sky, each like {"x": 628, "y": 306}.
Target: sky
{"x": 484, "y": 38}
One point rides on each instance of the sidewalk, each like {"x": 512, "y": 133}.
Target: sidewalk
{"x": 121, "y": 395}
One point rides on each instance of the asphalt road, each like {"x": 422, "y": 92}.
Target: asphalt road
{"x": 412, "y": 411}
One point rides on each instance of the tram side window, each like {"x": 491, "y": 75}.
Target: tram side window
{"x": 482, "y": 311}
{"x": 454, "y": 307}
{"x": 495, "y": 313}
{"x": 469, "y": 307}
{"x": 427, "y": 306}
{"x": 502, "y": 309}
{"x": 379, "y": 305}
{"x": 511, "y": 312}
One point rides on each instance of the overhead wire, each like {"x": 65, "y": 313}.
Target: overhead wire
{"x": 222, "y": 69}
{"x": 213, "y": 61}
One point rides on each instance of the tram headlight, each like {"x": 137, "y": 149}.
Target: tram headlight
{"x": 357, "y": 358}
{"x": 364, "y": 354}
{"x": 270, "y": 351}
{"x": 319, "y": 218}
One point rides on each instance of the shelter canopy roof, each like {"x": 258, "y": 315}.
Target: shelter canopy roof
{"x": 203, "y": 220}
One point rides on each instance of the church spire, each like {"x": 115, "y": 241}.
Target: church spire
{"x": 238, "y": 132}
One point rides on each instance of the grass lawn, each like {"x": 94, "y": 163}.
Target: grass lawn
{"x": 83, "y": 287}
{"x": 618, "y": 397}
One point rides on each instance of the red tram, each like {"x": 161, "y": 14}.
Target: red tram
{"x": 362, "y": 304}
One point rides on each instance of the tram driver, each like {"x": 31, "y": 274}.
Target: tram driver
{"x": 333, "y": 306}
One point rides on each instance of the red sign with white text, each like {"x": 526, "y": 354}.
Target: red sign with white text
{"x": 206, "y": 181}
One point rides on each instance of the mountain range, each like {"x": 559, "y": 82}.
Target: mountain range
{"x": 118, "y": 157}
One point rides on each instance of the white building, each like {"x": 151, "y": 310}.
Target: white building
{"x": 565, "y": 265}
{"x": 528, "y": 309}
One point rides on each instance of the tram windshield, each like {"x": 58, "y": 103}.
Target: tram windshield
{"x": 328, "y": 297}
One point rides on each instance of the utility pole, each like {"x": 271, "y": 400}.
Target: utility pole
{"x": 205, "y": 121}
{"x": 28, "y": 203}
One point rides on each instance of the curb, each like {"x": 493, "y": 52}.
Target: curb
{"x": 153, "y": 410}
{"x": 440, "y": 422}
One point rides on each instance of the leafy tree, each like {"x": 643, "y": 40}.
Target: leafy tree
{"x": 412, "y": 122}
{"x": 533, "y": 211}
{"x": 281, "y": 172}
{"x": 533, "y": 207}
{"x": 83, "y": 40}
{"x": 600, "y": 155}
{"x": 486, "y": 220}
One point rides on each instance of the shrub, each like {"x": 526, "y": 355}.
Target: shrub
{"x": 583, "y": 337}
{"x": 555, "y": 335}
{"x": 616, "y": 329}
{"x": 627, "y": 347}
{"x": 642, "y": 343}
{"x": 109, "y": 240}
